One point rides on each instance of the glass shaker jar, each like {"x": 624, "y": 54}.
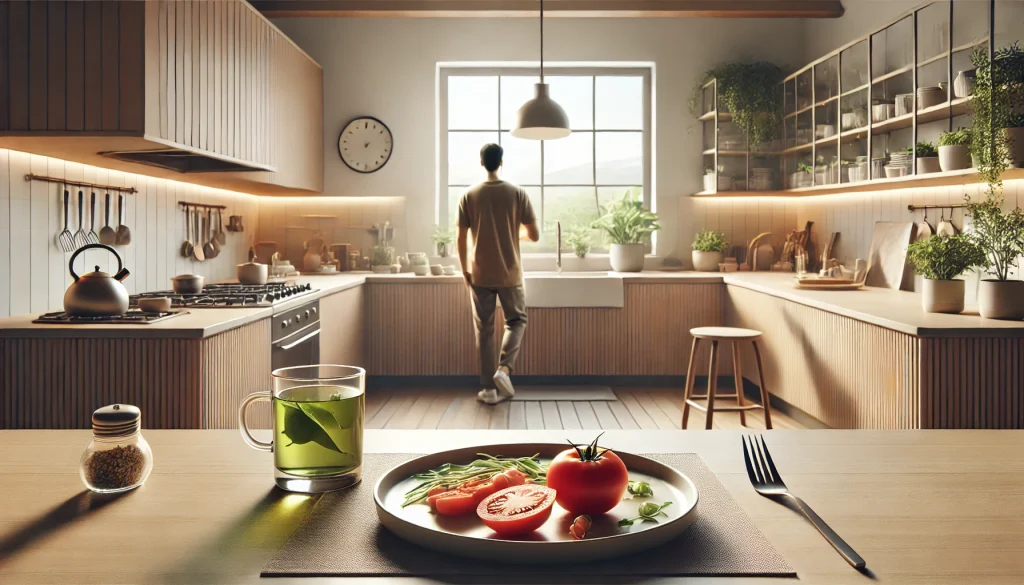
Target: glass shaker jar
{"x": 118, "y": 458}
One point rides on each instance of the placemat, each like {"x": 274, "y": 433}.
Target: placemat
{"x": 342, "y": 537}
{"x": 560, "y": 393}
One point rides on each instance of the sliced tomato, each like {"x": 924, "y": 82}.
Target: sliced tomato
{"x": 517, "y": 510}
{"x": 463, "y": 499}
{"x": 515, "y": 477}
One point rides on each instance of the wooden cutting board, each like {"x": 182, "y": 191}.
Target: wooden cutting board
{"x": 887, "y": 260}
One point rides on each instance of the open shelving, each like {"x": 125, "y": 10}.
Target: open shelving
{"x": 834, "y": 139}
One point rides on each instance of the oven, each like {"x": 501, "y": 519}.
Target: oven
{"x": 296, "y": 336}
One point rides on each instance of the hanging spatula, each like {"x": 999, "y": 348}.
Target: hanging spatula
{"x": 124, "y": 235}
{"x": 107, "y": 234}
{"x": 65, "y": 241}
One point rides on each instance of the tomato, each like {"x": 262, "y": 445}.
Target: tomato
{"x": 589, "y": 485}
{"x": 464, "y": 498}
{"x": 517, "y": 510}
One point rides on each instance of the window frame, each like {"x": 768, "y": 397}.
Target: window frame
{"x": 442, "y": 211}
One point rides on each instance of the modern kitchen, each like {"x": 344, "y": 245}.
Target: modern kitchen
{"x": 311, "y": 291}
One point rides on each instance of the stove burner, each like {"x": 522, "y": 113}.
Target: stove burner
{"x": 132, "y": 317}
{"x": 230, "y": 295}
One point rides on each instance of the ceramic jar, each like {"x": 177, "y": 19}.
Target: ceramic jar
{"x": 942, "y": 296}
{"x": 706, "y": 261}
{"x": 627, "y": 257}
{"x": 1001, "y": 299}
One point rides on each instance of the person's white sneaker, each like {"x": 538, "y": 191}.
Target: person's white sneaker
{"x": 490, "y": 396}
{"x": 504, "y": 384}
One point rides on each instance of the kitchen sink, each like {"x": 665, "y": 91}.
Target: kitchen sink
{"x": 573, "y": 289}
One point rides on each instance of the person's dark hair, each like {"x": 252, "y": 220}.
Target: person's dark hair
{"x": 490, "y": 156}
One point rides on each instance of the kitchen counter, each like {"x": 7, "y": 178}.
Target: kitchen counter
{"x": 920, "y": 507}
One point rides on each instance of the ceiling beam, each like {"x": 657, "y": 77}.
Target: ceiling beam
{"x": 553, "y": 8}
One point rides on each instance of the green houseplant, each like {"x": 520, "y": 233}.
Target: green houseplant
{"x": 955, "y": 150}
{"x": 927, "y": 158}
{"x": 580, "y": 238}
{"x": 751, "y": 92}
{"x": 1000, "y": 235}
{"x": 443, "y": 237}
{"x": 708, "y": 247}
{"x": 628, "y": 227}
{"x": 941, "y": 259}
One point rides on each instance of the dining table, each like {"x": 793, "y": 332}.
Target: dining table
{"x": 921, "y": 507}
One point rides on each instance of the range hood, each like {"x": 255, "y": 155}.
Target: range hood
{"x": 185, "y": 161}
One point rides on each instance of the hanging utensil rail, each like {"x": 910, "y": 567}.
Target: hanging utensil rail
{"x": 950, "y": 206}
{"x": 31, "y": 177}
{"x": 202, "y": 205}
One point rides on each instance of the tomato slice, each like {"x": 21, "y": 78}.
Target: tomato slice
{"x": 517, "y": 510}
{"x": 463, "y": 499}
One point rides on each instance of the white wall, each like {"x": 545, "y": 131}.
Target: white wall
{"x": 386, "y": 68}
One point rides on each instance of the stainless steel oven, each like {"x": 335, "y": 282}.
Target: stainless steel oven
{"x": 296, "y": 336}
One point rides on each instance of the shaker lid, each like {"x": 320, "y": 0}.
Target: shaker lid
{"x": 116, "y": 420}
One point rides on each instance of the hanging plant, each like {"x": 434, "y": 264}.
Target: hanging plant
{"x": 998, "y": 91}
{"x": 752, "y": 93}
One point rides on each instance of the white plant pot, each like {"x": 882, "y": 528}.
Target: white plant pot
{"x": 954, "y": 158}
{"x": 710, "y": 183}
{"x": 998, "y": 299}
{"x": 627, "y": 257}
{"x": 928, "y": 164}
{"x": 942, "y": 296}
{"x": 1016, "y": 136}
{"x": 706, "y": 261}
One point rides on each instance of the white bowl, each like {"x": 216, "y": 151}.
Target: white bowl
{"x": 421, "y": 269}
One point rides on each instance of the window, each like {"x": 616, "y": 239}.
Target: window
{"x": 568, "y": 180}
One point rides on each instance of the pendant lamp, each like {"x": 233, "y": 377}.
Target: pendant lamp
{"x": 541, "y": 118}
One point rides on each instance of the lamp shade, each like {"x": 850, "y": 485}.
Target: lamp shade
{"x": 541, "y": 118}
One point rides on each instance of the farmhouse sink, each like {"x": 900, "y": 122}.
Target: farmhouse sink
{"x": 573, "y": 289}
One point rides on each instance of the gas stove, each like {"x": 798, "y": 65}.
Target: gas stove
{"x": 220, "y": 296}
{"x": 133, "y": 317}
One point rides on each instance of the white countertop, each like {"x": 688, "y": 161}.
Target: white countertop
{"x": 896, "y": 310}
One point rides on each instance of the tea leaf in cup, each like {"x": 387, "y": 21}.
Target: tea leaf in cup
{"x": 301, "y": 428}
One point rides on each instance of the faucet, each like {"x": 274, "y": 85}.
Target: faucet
{"x": 558, "y": 258}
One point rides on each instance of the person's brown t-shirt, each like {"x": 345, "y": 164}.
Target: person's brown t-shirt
{"x": 493, "y": 212}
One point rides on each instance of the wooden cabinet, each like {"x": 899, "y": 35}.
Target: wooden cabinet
{"x": 178, "y": 85}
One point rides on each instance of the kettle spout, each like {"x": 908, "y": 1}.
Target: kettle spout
{"x": 121, "y": 275}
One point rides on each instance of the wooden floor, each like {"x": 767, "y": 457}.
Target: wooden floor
{"x": 636, "y": 408}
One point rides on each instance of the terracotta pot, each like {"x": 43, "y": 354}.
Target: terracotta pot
{"x": 627, "y": 257}
{"x": 927, "y": 164}
{"x": 954, "y": 158}
{"x": 942, "y": 296}
{"x": 1001, "y": 299}
{"x": 706, "y": 261}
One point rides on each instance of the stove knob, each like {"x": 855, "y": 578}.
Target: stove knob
{"x": 298, "y": 317}
{"x": 307, "y": 314}
{"x": 314, "y": 310}
{"x": 309, "y": 286}
{"x": 285, "y": 324}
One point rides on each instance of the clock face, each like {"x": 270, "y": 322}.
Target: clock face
{"x": 365, "y": 145}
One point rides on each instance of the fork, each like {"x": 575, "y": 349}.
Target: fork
{"x": 767, "y": 482}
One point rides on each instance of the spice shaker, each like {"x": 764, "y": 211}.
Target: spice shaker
{"x": 118, "y": 458}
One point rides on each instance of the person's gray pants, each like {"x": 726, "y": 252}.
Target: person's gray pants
{"x": 513, "y": 304}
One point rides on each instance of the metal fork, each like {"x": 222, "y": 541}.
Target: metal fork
{"x": 767, "y": 482}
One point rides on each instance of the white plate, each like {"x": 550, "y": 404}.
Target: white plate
{"x": 468, "y": 536}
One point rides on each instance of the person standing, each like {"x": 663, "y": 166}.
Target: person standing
{"x": 493, "y": 217}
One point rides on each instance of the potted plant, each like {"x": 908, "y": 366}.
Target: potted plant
{"x": 443, "y": 237}
{"x": 1001, "y": 237}
{"x": 941, "y": 259}
{"x": 954, "y": 150}
{"x": 1015, "y": 140}
{"x": 998, "y": 92}
{"x": 927, "y": 158}
{"x": 751, "y": 92}
{"x": 708, "y": 247}
{"x": 579, "y": 239}
{"x": 629, "y": 227}
{"x": 802, "y": 177}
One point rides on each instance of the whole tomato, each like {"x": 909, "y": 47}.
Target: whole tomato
{"x": 588, "y": 480}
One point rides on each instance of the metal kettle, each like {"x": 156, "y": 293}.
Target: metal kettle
{"x": 96, "y": 294}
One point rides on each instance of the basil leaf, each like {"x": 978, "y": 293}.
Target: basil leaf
{"x": 640, "y": 489}
{"x": 308, "y": 422}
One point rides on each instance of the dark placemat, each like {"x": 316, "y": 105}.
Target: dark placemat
{"x": 342, "y": 537}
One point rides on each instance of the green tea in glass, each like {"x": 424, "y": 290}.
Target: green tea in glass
{"x": 318, "y": 426}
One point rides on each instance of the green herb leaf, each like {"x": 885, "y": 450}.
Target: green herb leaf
{"x": 646, "y": 512}
{"x": 640, "y": 489}
{"x": 308, "y": 422}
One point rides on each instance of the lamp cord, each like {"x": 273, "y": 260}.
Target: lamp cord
{"x": 542, "y": 41}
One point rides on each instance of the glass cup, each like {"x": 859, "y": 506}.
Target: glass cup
{"x": 318, "y": 426}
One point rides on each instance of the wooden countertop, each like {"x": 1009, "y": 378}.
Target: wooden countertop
{"x": 934, "y": 507}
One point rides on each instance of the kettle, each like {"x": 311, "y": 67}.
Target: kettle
{"x": 96, "y": 294}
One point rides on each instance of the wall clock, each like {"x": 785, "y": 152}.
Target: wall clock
{"x": 365, "y": 144}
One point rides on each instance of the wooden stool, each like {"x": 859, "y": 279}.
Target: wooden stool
{"x": 734, "y": 335}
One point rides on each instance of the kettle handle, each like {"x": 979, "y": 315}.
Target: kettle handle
{"x": 71, "y": 263}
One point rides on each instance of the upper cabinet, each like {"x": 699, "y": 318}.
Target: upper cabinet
{"x": 205, "y": 91}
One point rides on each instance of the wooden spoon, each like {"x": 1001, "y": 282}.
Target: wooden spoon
{"x": 222, "y": 238}
{"x": 197, "y": 249}
{"x": 186, "y": 246}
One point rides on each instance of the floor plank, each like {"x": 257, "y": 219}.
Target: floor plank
{"x": 482, "y": 416}
{"x": 550, "y": 412}
{"x": 534, "y": 417}
{"x": 398, "y": 402}
{"x": 442, "y": 400}
{"x": 622, "y": 415}
{"x": 517, "y": 415}
{"x": 605, "y": 417}
{"x": 640, "y": 416}
{"x": 587, "y": 416}
{"x": 375, "y": 399}
{"x": 654, "y": 411}
{"x": 566, "y": 412}
{"x": 500, "y": 415}
{"x": 410, "y": 417}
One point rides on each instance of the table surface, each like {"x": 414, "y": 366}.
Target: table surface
{"x": 923, "y": 507}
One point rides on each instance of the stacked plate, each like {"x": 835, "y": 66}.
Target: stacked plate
{"x": 930, "y": 96}
{"x": 904, "y": 104}
{"x": 901, "y": 159}
{"x": 761, "y": 179}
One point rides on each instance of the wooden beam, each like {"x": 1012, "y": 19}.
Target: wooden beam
{"x": 553, "y": 8}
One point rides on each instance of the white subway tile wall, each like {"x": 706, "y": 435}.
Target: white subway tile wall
{"x": 34, "y": 271}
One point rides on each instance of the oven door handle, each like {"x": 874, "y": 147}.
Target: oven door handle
{"x": 304, "y": 338}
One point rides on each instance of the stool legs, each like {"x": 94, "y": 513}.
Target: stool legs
{"x": 712, "y": 383}
{"x": 738, "y": 376}
{"x": 764, "y": 390}
{"x": 690, "y": 375}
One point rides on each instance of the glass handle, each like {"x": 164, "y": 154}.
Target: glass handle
{"x": 246, "y": 435}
